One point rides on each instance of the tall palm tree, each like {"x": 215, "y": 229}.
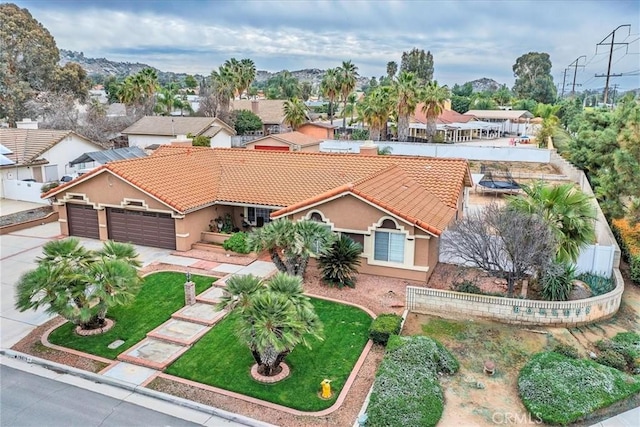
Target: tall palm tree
{"x": 350, "y": 109}
{"x": 223, "y": 84}
{"x": 247, "y": 75}
{"x": 295, "y": 113}
{"x": 78, "y": 284}
{"x": 329, "y": 88}
{"x": 392, "y": 69}
{"x": 434, "y": 97}
{"x": 406, "y": 96}
{"x": 568, "y": 211}
{"x": 347, "y": 78}
{"x": 233, "y": 65}
{"x": 375, "y": 110}
{"x": 273, "y": 317}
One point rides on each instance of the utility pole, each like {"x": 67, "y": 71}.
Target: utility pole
{"x": 564, "y": 78}
{"x": 575, "y": 66}
{"x": 612, "y": 34}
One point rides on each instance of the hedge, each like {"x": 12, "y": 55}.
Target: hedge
{"x": 628, "y": 237}
{"x": 383, "y": 327}
{"x": 406, "y": 391}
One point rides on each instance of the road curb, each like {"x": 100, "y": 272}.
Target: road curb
{"x": 210, "y": 410}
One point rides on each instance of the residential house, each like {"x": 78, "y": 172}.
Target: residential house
{"x": 510, "y": 121}
{"x": 152, "y": 131}
{"x": 395, "y": 206}
{"x": 290, "y": 141}
{"x": 318, "y": 130}
{"x": 451, "y": 126}
{"x": 270, "y": 111}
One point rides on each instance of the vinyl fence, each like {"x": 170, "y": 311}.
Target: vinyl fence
{"x": 25, "y": 191}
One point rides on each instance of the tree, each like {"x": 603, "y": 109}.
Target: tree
{"x": 464, "y": 90}
{"x": 350, "y": 109}
{"x": 283, "y": 86}
{"x": 406, "y": 95}
{"x": 305, "y": 91}
{"x": 57, "y": 110}
{"x": 168, "y": 100}
{"x": 223, "y": 86}
{"x": 190, "y": 82}
{"x": 290, "y": 244}
{"x": 505, "y": 243}
{"x": 533, "y": 77}
{"x": 330, "y": 89}
{"x": 392, "y": 69}
{"x": 72, "y": 79}
{"x": 419, "y": 63}
{"x": 347, "y": 77}
{"x": 244, "y": 72}
{"x": 295, "y": 113}
{"x": 569, "y": 213}
{"x": 28, "y": 60}
{"x": 78, "y": 284}
{"x": 273, "y": 317}
{"x": 375, "y": 109}
{"x": 137, "y": 91}
{"x": 246, "y": 121}
{"x": 339, "y": 263}
{"x": 433, "y": 97}
{"x": 502, "y": 96}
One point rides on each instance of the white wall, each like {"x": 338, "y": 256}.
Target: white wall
{"x": 22, "y": 172}
{"x": 67, "y": 150}
{"x": 143, "y": 141}
{"x": 221, "y": 140}
{"x": 505, "y": 154}
{"x": 22, "y": 190}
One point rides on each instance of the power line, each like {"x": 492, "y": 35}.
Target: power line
{"x": 609, "y": 75}
{"x": 575, "y": 66}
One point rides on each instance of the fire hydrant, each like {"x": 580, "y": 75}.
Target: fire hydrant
{"x": 326, "y": 388}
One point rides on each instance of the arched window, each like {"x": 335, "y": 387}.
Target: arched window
{"x": 316, "y": 217}
{"x": 389, "y": 245}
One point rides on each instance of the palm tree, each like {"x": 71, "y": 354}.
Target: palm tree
{"x": 350, "y": 109}
{"x": 347, "y": 78}
{"x": 569, "y": 212}
{"x": 329, "y": 88}
{"x": 273, "y": 317}
{"x": 295, "y": 112}
{"x": 78, "y": 284}
{"x": 375, "y": 110}
{"x": 290, "y": 244}
{"x": 223, "y": 83}
{"x": 247, "y": 75}
{"x": 434, "y": 97}
{"x": 339, "y": 263}
{"x": 166, "y": 100}
{"x": 406, "y": 96}
{"x": 392, "y": 69}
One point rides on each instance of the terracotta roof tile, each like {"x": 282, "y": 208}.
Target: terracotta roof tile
{"x": 290, "y": 138}
{"x": 446, "y": 117}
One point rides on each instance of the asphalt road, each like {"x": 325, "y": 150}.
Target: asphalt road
{"x": 30, "y": 400}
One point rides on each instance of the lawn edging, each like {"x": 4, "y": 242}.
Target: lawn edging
{"x": 44, "y": 340}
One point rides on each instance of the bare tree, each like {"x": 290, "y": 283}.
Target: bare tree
{"x": 505, "y": 243}
{"x": 55, "y": 110}
{"x": 208, "y": 102}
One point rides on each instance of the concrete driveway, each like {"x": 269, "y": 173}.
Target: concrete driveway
{"x": 18, "y": 252}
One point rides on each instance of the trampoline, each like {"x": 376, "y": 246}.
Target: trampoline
{"x": 499, "y": 183}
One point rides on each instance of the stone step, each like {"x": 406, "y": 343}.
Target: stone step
{"x": 204, "y": 314}
{"x": 153, "y": 353}
{"x": 212, "y": 295}
{"x": 179, "y": 332}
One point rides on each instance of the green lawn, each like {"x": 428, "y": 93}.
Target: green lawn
{"x": 219, "y": 360}
{"x": 162, "y": 294}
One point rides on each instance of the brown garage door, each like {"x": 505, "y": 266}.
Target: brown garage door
{"x": 82, "y": 221}
{"x": 142, "y": 228}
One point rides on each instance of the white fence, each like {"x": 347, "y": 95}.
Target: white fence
{"x": 25, "y": 191}
{"x": 461, "y": 151}
{"x": 596, "y": 259}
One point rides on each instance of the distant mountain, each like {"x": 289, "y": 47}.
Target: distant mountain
{"x": 104, "y": 68}
{"x": 483, "y": 84}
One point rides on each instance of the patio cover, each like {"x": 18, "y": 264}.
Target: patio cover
{"x": 107, "y": 156}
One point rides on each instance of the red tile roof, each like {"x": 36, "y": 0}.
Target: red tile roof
{"x": 289, "y": 138}
{"x": 422, "y": 190}
{"x": 446, "y": 117}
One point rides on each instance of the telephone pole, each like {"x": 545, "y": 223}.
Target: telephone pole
{"x": 612, "y": 34}
{"x": 575, "y": 66}
{"x": 564, "y": 78}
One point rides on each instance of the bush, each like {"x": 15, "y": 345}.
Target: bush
{"x": 557, "y": 281}
{"x": 468, "y": 287}
{"x": 627, "y": 346}
{"x": 48, "y": 186}
{"x": 406, "y": 391}
{"x": 599, "y": 285}
{"x": 360, "y": 134}
{"x": 339, "y": 262}
{"x": 613, "y": 359}
{"x": 567, "y": 350}
{"x": 383, "y": 327}
{"x": 237, "y": 243}
{"x": 245, "y": 121}
{"x": 628, "y": 237}
{"x": 560, "y": 390}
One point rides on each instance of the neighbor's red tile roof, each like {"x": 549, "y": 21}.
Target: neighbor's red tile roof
{"x": 290, "y": 138}
{"x": 188, "y": 178}
{"x": 446, "y": 117}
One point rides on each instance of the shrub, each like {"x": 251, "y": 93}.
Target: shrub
{"x": 383, "y": 327}
{"x": 406, "y": 391}
{"x": 48, "y": 186}
{"x": 560, "y": 390}
{"x": 599, "y": 285}
{"x": 237, "y": 243}
{"x": 628, "y": 237}
{"x": 567, "y": 350}
{"x": 626, "y": 345}
{"x": 360, "y": 134}
{"x": 468, "y": 287}
{"x": 339, "y": 262}
{"x": 557, "y": 281}
{"x": 612, "y": 358}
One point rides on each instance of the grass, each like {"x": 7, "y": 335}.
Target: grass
{"x": 162, "y": 294}
{"x": 561, "y": 390}
{"x": 220, "y": 360}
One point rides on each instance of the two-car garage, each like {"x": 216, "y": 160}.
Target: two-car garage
{"x": 123, "y": 225}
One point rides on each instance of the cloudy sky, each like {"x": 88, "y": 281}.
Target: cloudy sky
{"x": 469, "y": 39}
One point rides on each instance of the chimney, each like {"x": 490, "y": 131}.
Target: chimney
{"x": 27, "y": 124}
{"x": 182, "y": 140}
{"x": 369, "y": 149}
{"x": 255, "y": 107}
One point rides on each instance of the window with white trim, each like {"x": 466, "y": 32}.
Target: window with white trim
{"x": 258, "y": 216}
{"x": 388, "y": 243}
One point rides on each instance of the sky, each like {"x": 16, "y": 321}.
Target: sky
{"x": 469, "y": 39}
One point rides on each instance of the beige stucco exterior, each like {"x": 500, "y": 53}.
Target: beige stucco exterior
{"x": 316, "y": 131}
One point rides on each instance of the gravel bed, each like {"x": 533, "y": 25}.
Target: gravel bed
{"x": 23, "y": 216}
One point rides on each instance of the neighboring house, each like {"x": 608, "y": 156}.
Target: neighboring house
{"x": 270, "y": 111}
{"x": 290, "y": 141}
{"x": 318, "y": 130}
{"x": 161, "y": 130}
{"x": 452, "y": 126}
{"x": 395, "y": 206}
{"x": 511, "y": 121}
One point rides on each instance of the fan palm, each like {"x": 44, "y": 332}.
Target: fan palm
{"x": 375, "y": 109}
{"x": 433, "y": 97}
{"x": 568, "y": 211}
{"x": 406, "y": 96}
{"x": 223, "y": 83}
{"x": 247, "y": 70}
{"x": 295, "y": 113}
{"x": 330, "y": 88}
{"x": 347, "y": 78}
{"x": 339, "y": 263}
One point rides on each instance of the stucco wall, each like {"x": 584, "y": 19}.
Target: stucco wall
{"x": 190, "y": 228}
{"x": 221, "y": 140}
{"x": 143, "y": 141}
{"x": 67, "y": 150}
{"x": 316, "y": 131}
{"x": 516, "y": 311}
{"x": 269, "y": 142}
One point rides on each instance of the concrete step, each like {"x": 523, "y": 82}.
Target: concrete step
{"x": 179, "y": 332}
{"x": 203, "y": 314}
{"x": 153, "y": 353}
{"x": 212, "y": 295}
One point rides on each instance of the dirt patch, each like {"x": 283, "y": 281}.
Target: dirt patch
{"x": 514, "y": 167}
{"x": 27, "y": 215}
{"x": 217, "y": 255}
